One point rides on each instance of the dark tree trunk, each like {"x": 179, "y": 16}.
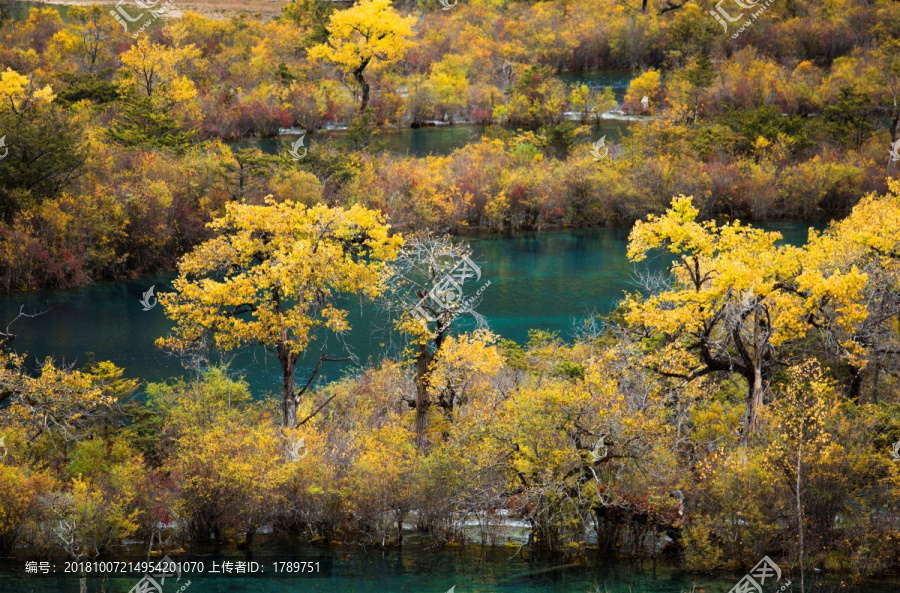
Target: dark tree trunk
{"x": 754, "y": 402}
{"x": 423, "y": 360}
{"x": 895, "y": 133}
{"x": 855, "y": 384}
{"x": 364, "y": 86}
{"x": 288, "y": 388}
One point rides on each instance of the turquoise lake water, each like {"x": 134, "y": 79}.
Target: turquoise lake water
{"x": 551, "y": 281}
{"x": 432, "y": 140}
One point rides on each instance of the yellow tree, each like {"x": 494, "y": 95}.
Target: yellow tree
{"x": 88, "y": 38}
{"x": 271, "y": 278}
{"x": 368, "y": 33}
{"x": 734, "y": 300}
{"x": 647, "y": 85}
{"x": 60, "y": 404}
{"x": 159, "y": 70}
{"x": 18, "y": 93}
{"x": 867, "y": 240}
{"x": 162, "y": 77}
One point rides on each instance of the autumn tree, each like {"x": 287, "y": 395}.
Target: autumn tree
{"x": 41, "y": 144}
{"x": 223, "y": 451}
{"x": 60, "y": 402}
{"x": 273, "y": 276}
{"x": 159, "y": 70}
{"x": 159, "y": 81}
{"x": 734, "y": 301}
{"x": 312, "y": 15}
{"x": 370, "y": 33}
{"x": 867, "y": 240}
{"x": 800, "y": 416}
{"x": 886, "y": 88}
{"x": 90, "y": 35}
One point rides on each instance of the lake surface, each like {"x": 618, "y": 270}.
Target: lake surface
{"x": 551, "y": 281}
{"x": 412, "y": 569}
{"x": 618, "y": 80}
{"x": 428, "y": 140}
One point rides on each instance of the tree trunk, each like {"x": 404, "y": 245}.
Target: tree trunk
{"x": 895, "y": 133}
{"x": 800, "y": 506}
{"x": 288, "y": 391}
{"x": 855, "y": 384}
{"x": 358, "y": 74}
{"x": 754, "y": 401}
{"x": 875, "y": 383}
{"x": 423, "y": 360}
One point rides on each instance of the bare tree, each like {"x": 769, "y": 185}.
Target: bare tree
{"x": 425, "y": 297}
{"x": 6, "y": 336}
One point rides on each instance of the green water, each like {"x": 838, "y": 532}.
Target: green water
{"x": 549, "y": 281}
{"x": 618, "y": 80}
{"x": 444, "y": 139}
{"x": 428, "y": 140}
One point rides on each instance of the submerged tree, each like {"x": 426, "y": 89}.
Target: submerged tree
{"x": 273, "y": 276}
